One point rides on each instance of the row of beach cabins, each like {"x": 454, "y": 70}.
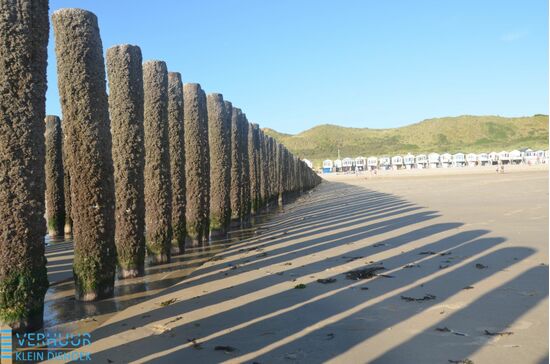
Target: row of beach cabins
{"x": 435, "y": 160}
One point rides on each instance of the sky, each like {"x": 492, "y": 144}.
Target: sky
{"x": 293, "y": 64}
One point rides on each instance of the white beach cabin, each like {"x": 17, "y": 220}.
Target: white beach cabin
{"x": 493, "y": 158}
{"x": 408, "y": 161}
{"x": 421, "y": 161}
{"x": 360, "y": 163}
{"x": 384, "y": 163}
{"x": 347, "y": 164}
{"x": 459, "y": 160}
{"x": 516, "y": 157}
{"x": 530, "y": 156}
{"x": 372, "y": 163}
{"x": 504, "y": 157}
{"x": 446, "y": 160}
{"x": 540, "y": 156}
{"x": 471, "y": 159}
{"x": 433, "y": 160}
{"x": 338, "y": 165}
{"x": 327, "y": 166}
{"x": 396, "y": 162}
{"x": 483, "y": 159}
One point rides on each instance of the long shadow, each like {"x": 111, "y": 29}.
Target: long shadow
{"x": 308, "y": 248}
{"x": 380, "y": 319}
{"x": 506, "y": 307}
{"x": 288, "y": 298}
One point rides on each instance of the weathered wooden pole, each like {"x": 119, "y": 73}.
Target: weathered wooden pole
{"x": 245, "y": 193}
{"x": 68, "y": 229}
{"x": 197, "y": 164}
{"x": 126, "y": 110}
{"x": 236, "y": 167}
{"x": 219, "y": 134}
{"x": 158, "y": 189}
{"x": 82, "y": 89}
{"x": 264, "y": 166}
{"x": 55, "y": 197}
{"x": 23, "y": 57}
{"x": 253, "y": 159}
{"x": 177, "y": 160}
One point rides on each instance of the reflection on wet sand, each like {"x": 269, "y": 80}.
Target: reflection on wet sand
{"x": 64, "y": 314}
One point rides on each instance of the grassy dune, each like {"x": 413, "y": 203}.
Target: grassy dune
{"x": 450, "y": 134}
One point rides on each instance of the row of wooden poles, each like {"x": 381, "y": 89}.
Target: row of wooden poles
{"x": 148, "y": 170}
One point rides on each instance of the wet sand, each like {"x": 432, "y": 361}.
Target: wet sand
{"x": 465, "y": 259}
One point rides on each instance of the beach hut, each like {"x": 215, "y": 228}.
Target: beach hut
{"x": 471, "y": 159}
{"x": 540, "y": 156}
{"x": 529, "y": 156}
{"x": 459, "y": 160}
{"x": 372, "y": 163}
{"x": 327, "y": 166}
{"x": 360, "y": 163}
{"x": 504, "y": 157}
{"x": 384, "y": 163}
{"x": 516, "y": 157}
{"x": 408, "y": 161}
{"x": 308, "y": 163}
{"x": 483, "y": 159}
{"x": 397, "y": 162}
{"x": 493, "y": 158}
{"x": 546, "y": 156}
{"x": 338, "y": 165}
{"x": 347, "y": 165}
{"x": 433, "y": 160}
{"x": 446, "y": 160}
{"x": 421, "y": 161}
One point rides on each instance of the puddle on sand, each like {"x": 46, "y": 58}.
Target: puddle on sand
{"x": 63, "y": 314}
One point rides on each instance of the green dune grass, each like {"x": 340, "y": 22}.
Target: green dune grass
{"x": 465, "y": 133}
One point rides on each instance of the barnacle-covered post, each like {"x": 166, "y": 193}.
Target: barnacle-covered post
{"x": 177, "y": 160}
{"x": 125, "y": 77}
{"x": 55, "y": 197}
{"x": 82, "y": 89}
{"x": 219, "y": 134}
{"x": 197, "y": 163}
{"x": 158, "y": 189}
{"x": 23, "y": 57}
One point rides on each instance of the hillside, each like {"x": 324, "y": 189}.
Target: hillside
{"x": 450, "y": 134}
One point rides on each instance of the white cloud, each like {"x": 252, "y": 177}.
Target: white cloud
{"x": 513, "y": 35}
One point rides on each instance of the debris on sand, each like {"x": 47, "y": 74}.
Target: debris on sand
{"x": 468, "y": 287}
{"x": 412, "y": 265}
{"x": 364, "y": 273}
{"x": 351, "y": 259}
{"x": 225, "y": 348}
{"x": 481, "y": 266}
{"x": 446, "y": 329}
{"x": 174, "y": 320}
{"x": 326, "y": 280}
{"x": 197, "y": 345}
{"x": 168, "y": 302}
{"x": 443, "y": 266}
{"x": 462, "y": 361}
{"x": 364, "y": 288}
{"x": 429, "y": 252}
{"x": 378, "y": 245}
{"x": 330, "y": 336}
{"x": 426, "y": 297}
{"x": 501, "y": 333}
{"x": 445, "y": 253}
{"x": 300, "y": 286}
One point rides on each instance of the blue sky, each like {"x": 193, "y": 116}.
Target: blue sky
{"x": 294, "y": 64}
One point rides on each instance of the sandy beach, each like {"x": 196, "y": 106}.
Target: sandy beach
{"x": 465, "y": 276}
